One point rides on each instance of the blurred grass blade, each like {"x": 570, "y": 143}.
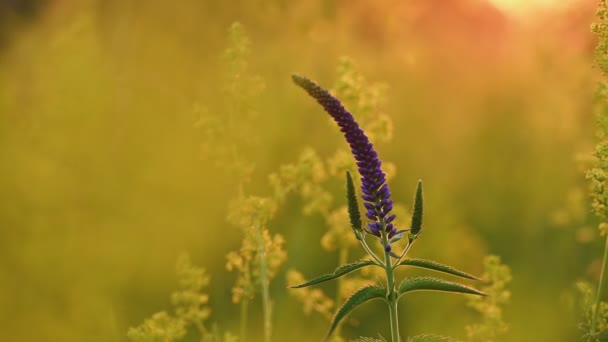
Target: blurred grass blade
{"x": 434, "y": 284}
{"x": 435, "y": 266}
{"x": 361, "y": 296}
{"x": 340, "y": 271}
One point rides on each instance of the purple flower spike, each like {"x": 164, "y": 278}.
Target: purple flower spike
{"x": 375, "y": 191}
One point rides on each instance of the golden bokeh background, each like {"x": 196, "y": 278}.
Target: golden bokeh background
{"x": 104, "y": 182}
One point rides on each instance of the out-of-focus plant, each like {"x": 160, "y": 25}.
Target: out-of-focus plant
{"x": 594, "y": 325}
{"x": 258, "y": 259}
{"x": 496, "y": 279}
{"x": 588, "y": 297}
{"x": 224, "y": 135}
{"x": 260, "y": 254}
{"x": 191, "y": 309}
{"x": 381, "y": 226}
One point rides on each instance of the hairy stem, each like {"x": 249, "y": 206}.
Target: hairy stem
{"x": 599, "y": 291}
{"x": 392, "y": 295}
{"x": 266, "y": 306}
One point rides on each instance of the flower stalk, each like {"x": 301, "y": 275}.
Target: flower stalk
{"x": 244, "y": 316}
{"x": 378, "y": 204}
{"x": 266, "y": 305}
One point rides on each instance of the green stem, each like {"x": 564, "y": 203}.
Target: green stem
{"x": 392, "y": 306}
{"x": 244, "y": 316}
{"x": 392, "y": 296}
{"x": 266, "y": 307}
{"x": 599, "y": 291}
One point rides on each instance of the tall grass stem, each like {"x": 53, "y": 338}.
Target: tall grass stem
{"x": 266, "y": 306}
{"x": 244, "y": 316}
{"x": 600, "y": 286}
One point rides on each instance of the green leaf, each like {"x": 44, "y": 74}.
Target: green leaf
{"x": 434, "y": 284}
{"x": 435, "y": 266}
{"x": 340, "y": 271}
{"x": 416, "y": 225}
{"x": 362, "y": 295}
{"x": 353, "y": 205}
{"x": 430, "y": 338}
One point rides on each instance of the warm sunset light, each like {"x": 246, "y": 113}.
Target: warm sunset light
{"x": 304, "y": 170}
{"x": 522, "y": 7}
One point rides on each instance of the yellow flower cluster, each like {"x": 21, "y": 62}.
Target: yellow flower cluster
{"x": 312, "y": 299}
{"x": 587, "y": 294}
{"x": 224, "y": 134}
{"x": 191, "y": 310}
{"x": 189, "y": 301}
{"x": 160, "y": 328}
{"x": 364, "y": 99}
{"x": 496, "y": 277}
{"x": 257, "y": 247}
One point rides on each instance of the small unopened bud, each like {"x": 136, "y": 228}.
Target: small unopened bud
{"x": 416, "y": 226}
{"x": 353, "y": 205}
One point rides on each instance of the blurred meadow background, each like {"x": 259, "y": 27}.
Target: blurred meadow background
{"x": 127, "y": 129}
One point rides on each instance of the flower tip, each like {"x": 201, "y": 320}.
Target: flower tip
{"x": 298, "y": 79}
{"x": 387, "y": 248}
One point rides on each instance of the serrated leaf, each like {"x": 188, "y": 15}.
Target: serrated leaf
{"x": 362, "y": 295}
{"x": 434, "y": 284}
{"x": 353, "y": 205}
{"x": 431, "y": 338}
{"x": 436, "y": 266}
{"x": 340, "y": 271}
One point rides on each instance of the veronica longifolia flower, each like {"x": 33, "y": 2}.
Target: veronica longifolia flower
{"x": 376, "y": 193}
